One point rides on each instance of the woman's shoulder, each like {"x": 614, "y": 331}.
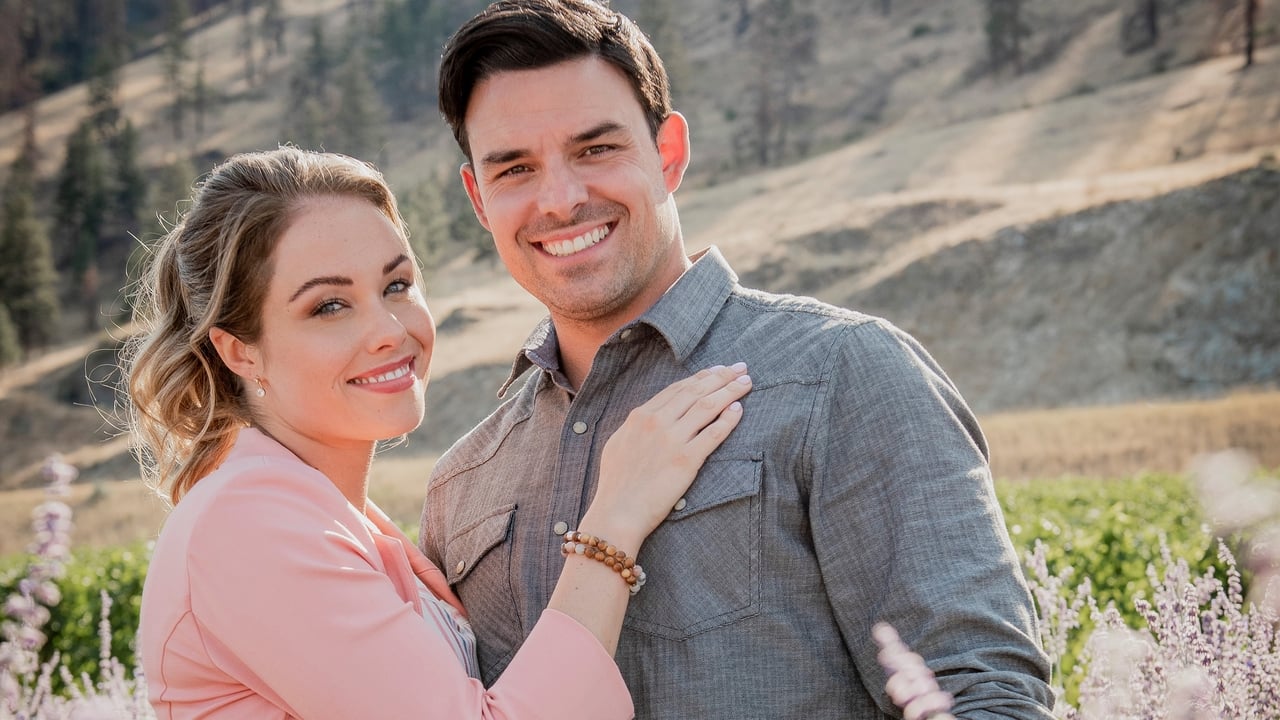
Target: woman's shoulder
{"x": 261, "y": 487}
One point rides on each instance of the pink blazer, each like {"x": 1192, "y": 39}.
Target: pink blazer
{"x": 270, "y": 596}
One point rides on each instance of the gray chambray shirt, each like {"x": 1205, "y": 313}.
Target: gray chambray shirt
{"x": 855, "y": 490}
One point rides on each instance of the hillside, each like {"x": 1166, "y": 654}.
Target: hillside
{"x": 1088, "y": 232}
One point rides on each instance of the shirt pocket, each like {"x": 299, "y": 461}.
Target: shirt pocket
{"x": 480, "y": 554}
{"x": 703, "y": 562}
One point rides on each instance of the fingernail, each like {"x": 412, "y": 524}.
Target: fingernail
{"x": 739, "y": 367}
{"x": 735, "y": 406}
{"x": 715, "y": 368}
{"x": 744, "y": 379}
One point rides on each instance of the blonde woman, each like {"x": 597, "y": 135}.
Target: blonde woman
{"x": 286, "y": 335}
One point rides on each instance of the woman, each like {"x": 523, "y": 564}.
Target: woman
{"x": 287, "y": 334}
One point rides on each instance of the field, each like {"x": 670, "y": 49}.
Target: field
{"x": 1046, "y": 445}
{"x": 1016, "y": 225}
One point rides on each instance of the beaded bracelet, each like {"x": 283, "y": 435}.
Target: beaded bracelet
{"x": 594, "y": 548}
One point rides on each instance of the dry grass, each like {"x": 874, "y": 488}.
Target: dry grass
{"x": 1115, "y": 441}
{"x": 1124, "y": 440}
{"x": 121, "y": 512}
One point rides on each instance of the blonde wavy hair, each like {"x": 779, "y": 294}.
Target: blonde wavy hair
{"x": 184, "y": 407}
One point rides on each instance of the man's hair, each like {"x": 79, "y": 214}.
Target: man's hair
{"x": 532, "y": 34}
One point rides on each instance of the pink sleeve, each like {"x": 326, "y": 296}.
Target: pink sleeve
{"x": 290, "y": 602}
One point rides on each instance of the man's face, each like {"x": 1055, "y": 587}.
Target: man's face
{"x": 578, "y": 197}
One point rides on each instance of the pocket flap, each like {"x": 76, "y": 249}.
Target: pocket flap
{"x": 464, "y": 550}
{"x": 720, "y": 481}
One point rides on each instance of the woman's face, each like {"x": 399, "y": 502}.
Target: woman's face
{"x": 346, "y": 334}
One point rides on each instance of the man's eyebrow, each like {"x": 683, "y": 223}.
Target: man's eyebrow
{"x": 502, "y": 157}
{"x": 343, "y": 281}
{"x": 594, "y": 133}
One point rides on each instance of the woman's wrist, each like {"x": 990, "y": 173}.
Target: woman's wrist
{"x": 621, "y": 534}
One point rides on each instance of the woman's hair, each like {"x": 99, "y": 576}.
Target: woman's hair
{"x": 533, "y": 34}
{"x": 212, "y": 270}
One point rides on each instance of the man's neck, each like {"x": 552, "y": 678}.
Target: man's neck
{"x": 578, "y": 344}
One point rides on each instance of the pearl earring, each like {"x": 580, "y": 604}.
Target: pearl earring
{"x": 261, "y": 391}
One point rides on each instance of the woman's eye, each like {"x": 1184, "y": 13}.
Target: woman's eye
{"x": 328, "y": 307}
{"x": 399, "y": 286}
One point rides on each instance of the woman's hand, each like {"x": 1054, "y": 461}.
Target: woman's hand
{"x": 653, "y": 457}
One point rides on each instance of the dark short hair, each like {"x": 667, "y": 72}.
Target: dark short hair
{"x": 532, "y": 34}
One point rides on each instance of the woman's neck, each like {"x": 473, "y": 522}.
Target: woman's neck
{"x": 346, "y": 466}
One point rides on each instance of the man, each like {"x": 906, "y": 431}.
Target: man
{"x": 855, "y": 490}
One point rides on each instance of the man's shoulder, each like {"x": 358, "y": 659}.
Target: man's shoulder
{"x": 795, "y": 308}
{"x": 771, "y": 319}
{"x": 482, "y": 442}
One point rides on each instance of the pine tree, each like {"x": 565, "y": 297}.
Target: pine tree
{"x": 782, "y": 41}
{"x": 464, "y": 228}
{"x": 28, "y": 286}
{"x": 246, "y": 43}
{"x": 201, "y": 97}
{"x": 173, "y": 183}
{"x": 1250, "y": 29}
{"x": 427, "y": 219}
{"x": 10, "y": 347}
{"x": 130, "y": 186}
{"x": 82, "y": 197}
{"x": 359, "y": 117}
{"x": 658, "y": 18}
{"x": 1006, "y": 29}
{"x": 305, "y": 110}
{"x": 174, "y": 60}
{"x": 273, "y": 27}
{"x": 409, "y": 33}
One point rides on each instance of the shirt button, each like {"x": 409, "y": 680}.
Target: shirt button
{"x": 680, "y": 505}
{"x": 579, "y": 427}
{"x": 460, "y": 567}
{"x": 560, "y": 528}
{"x": 625, "y": 334}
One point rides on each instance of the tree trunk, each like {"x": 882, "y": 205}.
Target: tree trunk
{"x": 1250, "y": 21}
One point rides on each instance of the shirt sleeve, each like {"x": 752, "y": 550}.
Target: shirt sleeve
{"x": 908, "y": 531}
{"x": 287, "y": 594}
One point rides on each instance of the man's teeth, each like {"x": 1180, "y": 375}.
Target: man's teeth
{"x": 578, "y": 244}
{"x": 384, "y": 377}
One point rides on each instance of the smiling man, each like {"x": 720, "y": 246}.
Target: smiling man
{"x": 855, "y": 490}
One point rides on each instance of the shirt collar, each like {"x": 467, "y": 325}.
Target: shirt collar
{"x": 683, "y": 315}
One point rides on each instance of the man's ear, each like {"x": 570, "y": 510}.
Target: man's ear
{"x": 473, "y": 191}
{"x": 239, "y": 357}
{"x": 673, "y": 148}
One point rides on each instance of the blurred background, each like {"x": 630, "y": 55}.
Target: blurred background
{"x": 1074, "y": 204}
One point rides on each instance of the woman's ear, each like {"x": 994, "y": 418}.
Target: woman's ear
{"x": 239, "y": 357}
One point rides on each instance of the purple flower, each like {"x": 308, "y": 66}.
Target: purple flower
{"x": 911, "y": 684}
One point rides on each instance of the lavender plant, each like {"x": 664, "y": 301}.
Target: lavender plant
{"x": 26, "y": 683}
{"x": 911, "y": 684}
{"x": 1204, "y": 652}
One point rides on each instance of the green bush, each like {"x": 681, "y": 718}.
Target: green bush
{"x": 73, "y": 627}
{"x": 1109, "y": 531}
{"x": 1106, "y": 530}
